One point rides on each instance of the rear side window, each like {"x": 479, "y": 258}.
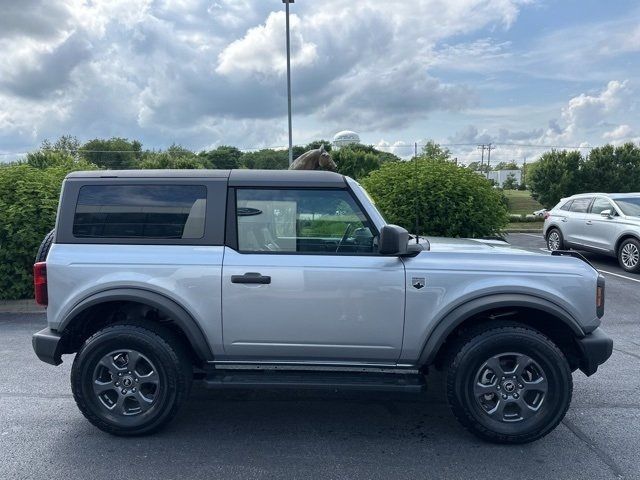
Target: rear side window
{"x": 567, "y": 205}
{"x": 140, "y": 211}
{"x": 580, "y": 205}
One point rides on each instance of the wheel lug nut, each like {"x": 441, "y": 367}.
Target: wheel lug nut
{"x": 117, "y": 384}
{"x": 139, "y": 380}
{"x": 520, "y": 386}
{"x": 515, "y": 395}
{"x": 124, "y": 390}
{"x": 504, "y": 396}
{"x": 120, "y": 374}
{"x": 498, "y": 387}
{"x": 133, "y": 390}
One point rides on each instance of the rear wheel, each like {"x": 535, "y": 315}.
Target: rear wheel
{"x": 509, "y": 384}
{"x": 130, "y": 379}
{"x": 555, "y": 240}
{"x": 629, "y": 255}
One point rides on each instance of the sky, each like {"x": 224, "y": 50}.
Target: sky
{"x": 522, "y": 74}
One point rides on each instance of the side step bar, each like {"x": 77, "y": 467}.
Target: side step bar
{"x": 270, "y": 379}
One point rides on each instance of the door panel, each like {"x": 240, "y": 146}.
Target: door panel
{"x": 316, "y": 307}
{"x": 574, "y": 227}
{"x": 600, "y": 232}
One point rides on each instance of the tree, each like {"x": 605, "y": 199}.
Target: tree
{"x": 612, "y": 169}
{"x": 114, "y": 153}
{"x": 555, "y": 175}
{"x": 357, "y": 160}
{"x": 164, "y": 160}
{"x": 449, "y": 201}
{"x": 510, "y": 182}
{"x": 475, "y": 166}
{"x": 67, "y": 144}
{"x": 506, "y": 166}
{"x": 224, "y": 157}
{"x": 266, "y": 158}
{"x": 433, "y": 151}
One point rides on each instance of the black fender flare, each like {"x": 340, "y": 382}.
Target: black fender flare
{"x": 162, "y": 303}
{"x": 463, "y": 312}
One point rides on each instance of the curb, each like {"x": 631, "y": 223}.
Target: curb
{"x": 523, "y": 230}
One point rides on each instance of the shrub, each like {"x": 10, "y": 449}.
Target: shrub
{"x": 28, "y": 205}
{"x": 450, "y": 200}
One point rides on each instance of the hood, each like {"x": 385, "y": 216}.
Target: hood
{"x": 471, "y": 245}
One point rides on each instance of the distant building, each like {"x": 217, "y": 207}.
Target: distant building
{"x": 345, "y": 137}
{"x": 499, "y": 176}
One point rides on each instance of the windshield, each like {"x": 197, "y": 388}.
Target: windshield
{"x": 629, "y": 206}
{"x": 358, "y": 187}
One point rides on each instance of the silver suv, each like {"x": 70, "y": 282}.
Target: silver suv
{"x": 254, "y": 279}
{"x": 607, "y": 223}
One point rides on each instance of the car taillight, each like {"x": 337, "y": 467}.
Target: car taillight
{"x": 40, "y": 283}
{"x": 546, "y": 215}
{"x": 600, "y": 296}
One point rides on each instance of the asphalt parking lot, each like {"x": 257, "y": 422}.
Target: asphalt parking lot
{"x": 306, "y": 434}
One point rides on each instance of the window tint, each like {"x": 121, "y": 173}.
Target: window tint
{"x": 302, "y": 221}
{"x": 140, "y": 211}
{"x": 567, "y": 205}
{"x": 580, "y": 205}
{"x": 600, "y": 204}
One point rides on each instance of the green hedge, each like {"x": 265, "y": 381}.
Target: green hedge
{"x": 28, "y": 204}
{"x": 529, "y": 218}
{"x": 451, "y": 201}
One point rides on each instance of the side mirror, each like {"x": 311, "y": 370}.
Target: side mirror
{"x": 393, "y": 240}
{"x": 606, "y": 213}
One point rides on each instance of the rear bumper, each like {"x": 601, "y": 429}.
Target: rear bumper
{"x": 48, "y": 346}
{"x": 595, "y": 349}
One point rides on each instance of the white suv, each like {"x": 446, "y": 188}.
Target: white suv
{"x": 607, "y": 223}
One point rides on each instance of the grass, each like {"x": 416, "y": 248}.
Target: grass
{"x": 521, "y": 202}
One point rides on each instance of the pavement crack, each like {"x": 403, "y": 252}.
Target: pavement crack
{"x": 600, "y": 453}
{"x": 628, "y": 353}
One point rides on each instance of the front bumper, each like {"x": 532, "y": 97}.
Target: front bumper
{"x": 48, "y": 346}
{"x": 595, "y": 348}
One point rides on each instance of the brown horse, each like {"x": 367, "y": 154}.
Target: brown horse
{"x": 317, "y": 159}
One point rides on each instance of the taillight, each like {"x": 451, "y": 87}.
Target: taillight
{"x": 600, "y": 296}
{"x": 40, "y": 283}
{"x": 546, "y": 215}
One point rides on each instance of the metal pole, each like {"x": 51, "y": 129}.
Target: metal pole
{"x": 489, "y": 147}
{"x": 289, "y": 82}
{"x": 415, "y": 193}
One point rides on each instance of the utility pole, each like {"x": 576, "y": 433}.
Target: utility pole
{"x": 524, "y": 171}
{"x": 287, "y": 2}
{"x": 481, "y": 147}
{"x": 489, "y": 148}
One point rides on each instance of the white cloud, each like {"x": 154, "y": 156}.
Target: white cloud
{"x": 262, "y": 50}
{"x": 621, "y": 132}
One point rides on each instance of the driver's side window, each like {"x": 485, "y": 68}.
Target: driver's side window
{"x": 314, "y": 221}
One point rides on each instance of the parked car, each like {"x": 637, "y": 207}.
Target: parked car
{"x": 607, "y": 223}
{"x": 541, "y": 212}
{"x": 275, "y": 279}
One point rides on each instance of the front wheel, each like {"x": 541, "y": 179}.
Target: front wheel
{"x": 509, "y": 384}
{"x": 130, "y": 379}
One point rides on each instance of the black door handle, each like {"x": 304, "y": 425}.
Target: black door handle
{"x": 251, "y": 277}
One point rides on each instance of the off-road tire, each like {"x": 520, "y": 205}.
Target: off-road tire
{"x": 478, "y": 345}
{"x": 43, "y": 250}
{"x": 161, "y": 347}
{"x": 561, "y": 244}
{"x": 627, "y": 263}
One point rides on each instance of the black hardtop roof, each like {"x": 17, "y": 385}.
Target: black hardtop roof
{"x": 236, "y": 178}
